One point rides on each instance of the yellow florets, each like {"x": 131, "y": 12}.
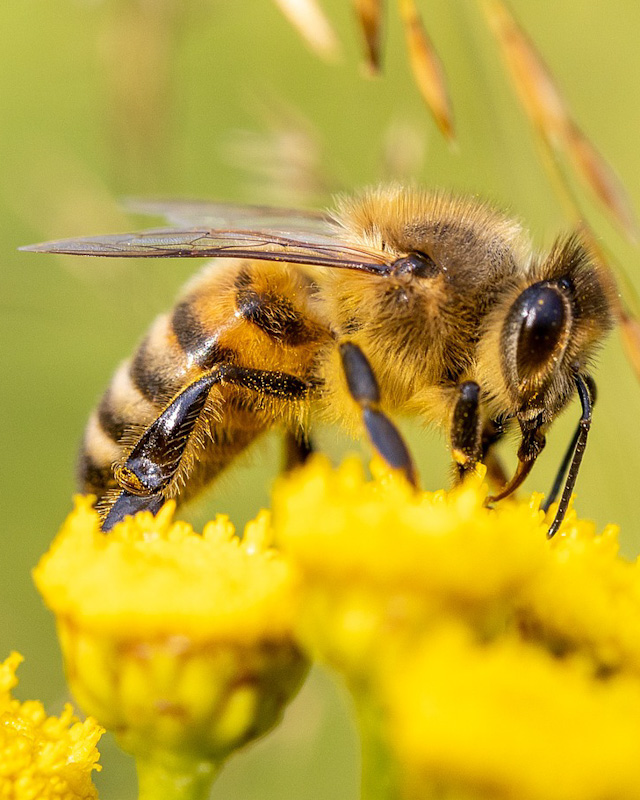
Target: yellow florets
{"x": 381, "y": 559}
{"x": 435, "y": 554}
{"x": 153, "y": 576}
{"x": 399, "y": 538}
{"x": 41, "y": 757}
{"x": 484, "y": 660}
{"x": 586, "y": 598}
{"x": 506, "y": 719}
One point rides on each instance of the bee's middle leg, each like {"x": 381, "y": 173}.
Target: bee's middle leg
{"x": 297, "y": 449}
{"x": 363, "y": 387}
{"x": 154, "y": 461}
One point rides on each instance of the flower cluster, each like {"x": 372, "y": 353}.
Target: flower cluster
{"x": 484, "y": 660}
{"x": 41, "y": 757}
{"x": 493, "y": 662}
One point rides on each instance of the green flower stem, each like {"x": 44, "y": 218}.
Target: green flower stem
{"x": 164, "y": 776}
{"x": 379, "y": 779}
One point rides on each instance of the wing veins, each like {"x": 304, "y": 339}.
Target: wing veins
{"x": 260, "y": 245}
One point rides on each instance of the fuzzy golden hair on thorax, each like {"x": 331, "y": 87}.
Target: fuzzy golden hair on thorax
{"x": 398, "y": 218}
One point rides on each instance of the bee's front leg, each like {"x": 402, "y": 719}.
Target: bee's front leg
{"x": 532, "y": 444}
{"x": 492, "y": 432}
{"x": 573, "y": 457}
{"x": 363, "y": 387}
{"x": 153, "y": 463}
{"x": 473, "y": 439}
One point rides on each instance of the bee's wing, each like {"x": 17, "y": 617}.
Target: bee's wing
{"x": 225, "y": 216}
{"x": 269, "y": 245}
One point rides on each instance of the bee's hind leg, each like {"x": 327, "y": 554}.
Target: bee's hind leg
{"x": 128, "y": 504}
{"x": 363, "y": 387}
{"x": 150, "y": 468}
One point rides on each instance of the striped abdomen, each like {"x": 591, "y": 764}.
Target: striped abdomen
{"x": 249, "y": 315}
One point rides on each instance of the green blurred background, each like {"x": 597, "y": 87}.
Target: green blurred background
{"x": 102, "y": 100}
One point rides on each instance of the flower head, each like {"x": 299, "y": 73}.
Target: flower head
{"x": 378, "y": 558}
{"x": 586, "y": 598}
{"x": 41, "y": 757}
{"x": 179, "y": 642}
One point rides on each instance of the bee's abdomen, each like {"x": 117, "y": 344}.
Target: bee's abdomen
{"x": 238, "y": 315}
{"x": 138, "y": 391}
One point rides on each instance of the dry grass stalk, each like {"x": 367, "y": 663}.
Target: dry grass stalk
{"x": 551, "y": 117}
{"x": 369, "y": 14}
{"x": 630, "y": 335}
{"x": 308, "y": 18}
{"x": 427, "y": 68}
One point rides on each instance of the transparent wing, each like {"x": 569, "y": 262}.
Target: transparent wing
{"x": 225, "y": 216}
{"x": 320, "y": 250}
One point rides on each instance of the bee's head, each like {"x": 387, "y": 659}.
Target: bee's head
{"x": 547, "y": 328}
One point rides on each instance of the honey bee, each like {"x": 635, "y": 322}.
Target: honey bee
{"x": 400, "y": 301}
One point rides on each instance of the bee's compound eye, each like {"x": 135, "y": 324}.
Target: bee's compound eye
{"x": 541, "y": 316}
{"x": 419, "y": 264}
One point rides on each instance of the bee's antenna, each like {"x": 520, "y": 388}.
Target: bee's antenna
{"x": 587, "y": 393}
{"x": 562, "y": 471}
{"x": 564, "y": 466}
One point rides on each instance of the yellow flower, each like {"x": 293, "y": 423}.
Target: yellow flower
{"x": 41, "y": 757}
{"x": 473, "y": 645}
{"x": 506, "y": 719}
{"x": 178, "y": 642}
{"x": 378, "y": 558}
{"x": 586, "y": 598}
